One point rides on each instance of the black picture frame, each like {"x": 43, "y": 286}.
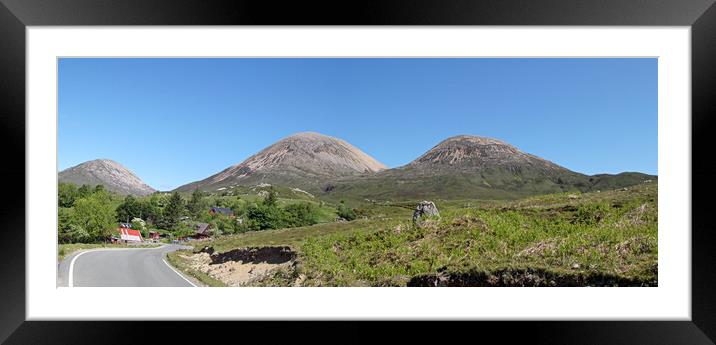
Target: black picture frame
{"x": 700, "y": 15}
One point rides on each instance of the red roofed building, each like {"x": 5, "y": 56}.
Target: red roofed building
{"x": 130, "y": 235}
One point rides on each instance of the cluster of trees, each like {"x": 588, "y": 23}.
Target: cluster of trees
{"x": 91, "y": 214}
{"x": 267, "y": 214}
{"x": 162, "y": 210}
{"x": 85, "y": 214}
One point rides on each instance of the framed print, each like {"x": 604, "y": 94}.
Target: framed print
{"x": 533, "y": 165}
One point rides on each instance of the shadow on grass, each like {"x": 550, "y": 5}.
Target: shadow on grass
{"x": 254, "y": 255}
{"x": 525, "y": 278}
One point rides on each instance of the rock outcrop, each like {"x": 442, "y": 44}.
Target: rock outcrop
{"x": 423, "y": 210}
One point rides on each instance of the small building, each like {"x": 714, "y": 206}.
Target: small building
{"x": 155, "y": 235}
{"x": 203, "y": 230}
{"x": 130, "y": 235}
{"x": 222, "y": 211}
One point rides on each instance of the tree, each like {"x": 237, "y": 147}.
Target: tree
{"x": 94, "y": 216}
{"x": 152, "y": 208}
{"x": 194, "y": 206}
{"x": 271, "y": 198}
{"x": 84, "y": 191}
{"x": 64, "y": 223}
{"x": 128, "y": 209}
{"x": 149, "y": 211}
{"x": 171, "y": 214}
{"x": 98, "y": 188}
{"x": 66, "y": 194}
{"x": 159, "y": 200}
{"x": 237, "y": 205}
{"x": 220, "y": 202}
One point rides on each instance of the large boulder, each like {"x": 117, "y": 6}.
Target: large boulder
{"x": 425, "y": 209}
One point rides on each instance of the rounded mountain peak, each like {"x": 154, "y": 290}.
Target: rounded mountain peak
{"x": 471, "y": 140}
{"x": 468, "y": 151}
{"x": 303, "y": 154}
{"x": 310, "y": 139}
{"x": 113, "y": 175}
{"x": 308, "y": 136}
{"x": 103, "y": 162}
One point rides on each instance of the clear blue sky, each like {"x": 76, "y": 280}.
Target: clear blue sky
{"x": 174, "y": 121}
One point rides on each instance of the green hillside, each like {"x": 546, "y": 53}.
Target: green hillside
{"x": 606, "y": 238}
{"x": 489, "y": 184}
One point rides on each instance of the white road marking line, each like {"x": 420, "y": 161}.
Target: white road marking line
{"x": 177, "y": 272}
{"x": 70, "y": 282}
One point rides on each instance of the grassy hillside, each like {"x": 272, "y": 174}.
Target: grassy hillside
{"x": 255, "y": 192}
{"x": 295, "y": 237}
{"x": 495, "y": 184}
{"x": 565, "y": 239}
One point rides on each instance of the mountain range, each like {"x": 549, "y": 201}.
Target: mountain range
{"x": 459, "y": 167}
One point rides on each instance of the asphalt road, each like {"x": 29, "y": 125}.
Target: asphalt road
{"x": 120, "y": 267}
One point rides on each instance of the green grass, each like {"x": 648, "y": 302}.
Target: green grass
{"x": 66, "y": 249}
{"x": 291, "y": 237}
{"x": 370, "y": 219}
{"x": 610, "y": 233}
{"x": 585, "y": 236}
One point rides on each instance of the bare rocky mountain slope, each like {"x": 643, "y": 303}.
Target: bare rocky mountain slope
{"x": 472, "y": 153}
{"x": 303, "y": 160}
{"x": 112, "y": 175}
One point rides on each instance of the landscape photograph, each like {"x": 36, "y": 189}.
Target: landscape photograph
{"x": 357, "y": 172}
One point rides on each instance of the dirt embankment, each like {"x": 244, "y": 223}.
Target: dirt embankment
{"x": 240, "y": 266}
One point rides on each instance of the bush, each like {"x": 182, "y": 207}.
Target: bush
{"x": 591, "y": 214}
{"x": 346, "y": 212}
{"x": 182, "y": 229}
{"x": 262, "y": 216}
{"x": 141, "y": 225}
{"x": 77, "y": 234}
{"x": 301, "y": 214}
{"x": 224, "y": 225}
{"x": 270, "y": 216}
